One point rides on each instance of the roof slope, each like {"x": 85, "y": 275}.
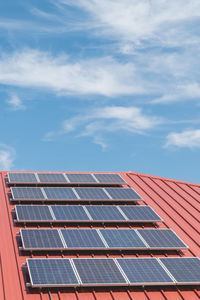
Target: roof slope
{"x": 178, "y": 204}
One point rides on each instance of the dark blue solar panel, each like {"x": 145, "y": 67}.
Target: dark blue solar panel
{"x": 123, "y": 194}
{"x": 41, "y": 239}
{"x": 122, "y": 238}
{"x": 98, "y": 271}
{"x": 69, "y": 213}
{"x": 161, "y": 238}
{"x": 27, "y": 193}
{"x": 81, "y": 178}
{"x": 60, "y": 193}
{"x": 144, "y": 271}
{"x": 33, "y": 213}
{"x": 82, "y": 238}
{"x": 110, "y": 178}
{"x": 107, "y": 213}
{"x": 52, "y": 177}
{"x": 140, "y": 213}
{"x": 22, "y": 177}
{"x": 51, "y": 272}
{"x": 183, "y": 269}
{"x": 91, "y": 193}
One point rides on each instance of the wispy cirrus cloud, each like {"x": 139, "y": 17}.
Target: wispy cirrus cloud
{"x": 100, "y": 121}
{"x": 7, "y": 157}
{"x": 15, "y": 102}
{"x": 184, "y": 139}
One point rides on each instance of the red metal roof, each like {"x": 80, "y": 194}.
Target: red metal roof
{"x": 178, "y": 204}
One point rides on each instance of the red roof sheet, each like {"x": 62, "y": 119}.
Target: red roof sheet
{"x": 178, "y": 204}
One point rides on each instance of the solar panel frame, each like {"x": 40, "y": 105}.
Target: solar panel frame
{"x": 10, "y": 174}
{"x": 98, "y": 270}
{"x": 141, "y": 208}
{"x": 61, "y": 175}
{"x": 82, "y": 238}
{"x": 55, "y": 190}
{"x": 76, "y": 207}
{"x": 192, "y": 272}
{"x": 80, "y": 181}
{"x": 139, "y": 244}
{"x": 139, "y": 271}
{"x": 91, "y": 193}
{"x": 171, "y": 236}
{"x": 62, "y": 260}
{"x": 41, "y": 207}
{"x": 112, "y": 191}
{"x": 98, "y": 177}
{"x": 100, "y": 209}
{"x": 36, "y": 239}
{"x": 24, "y": 197}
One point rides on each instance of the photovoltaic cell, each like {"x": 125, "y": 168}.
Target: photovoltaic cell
{"x": 161, "y": 238}
{"x": 98, "y": 271}
{"x": 52, "y": 177}
{"x": 140, "y": 213}
{"x": 82, "y": 238}
{"x": 27, "y": 193}
{"x": 60, "y": 193}
{"x": 123, "y": 194}
{"x": 183, "y": 269}
{"x": 80, "y": 178}
{"x": 122, "y": 238}
{"x": 51, "y": 272}
{"x": 33, "y": 213}
{"x": 144, "y": 271}
{"x": 69, "y": 212}
{"x": 22, "y": 177}
{"x": 102, "y": 213}
{"x": 109, "y": 178}
{"x": 41, "y": 239}
{"x": 91, "y": 193}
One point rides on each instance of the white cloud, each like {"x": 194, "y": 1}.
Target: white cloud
{"x": 7, "y": 157}
{"x": 107, "y": 119}
{"x": 103, "y": 76}
{"x": 185, "y": 139}
{"x": 159, "y": 20}
{"x": 15, "y": 102}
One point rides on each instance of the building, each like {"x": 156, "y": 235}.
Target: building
{"x": 176, "y": 202}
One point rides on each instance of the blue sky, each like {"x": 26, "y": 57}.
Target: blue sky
{"x": 108, "y": 85}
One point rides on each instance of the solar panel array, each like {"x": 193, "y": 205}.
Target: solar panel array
{"x": 78, "y": 193}
{"x": 109, "y": 272}
{"x": 53, "y": 239}
{"x": 64, "y": 178}
{"x": 87, "y": 213}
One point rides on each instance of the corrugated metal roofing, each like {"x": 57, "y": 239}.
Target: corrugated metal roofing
{"x": 177, "y": 203}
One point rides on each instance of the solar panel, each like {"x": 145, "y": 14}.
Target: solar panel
{"x": 99, "y": 271}
{"x": 91, "y": 193}
{"x": 140, "y": 213}
{"x": 141, "y": 271}
{"x": 52, "y": 177}
{"x": 82, "y": 238}
{"x": 123, "y": 194}
{"x": 110, "y": 178}
{"x": 22, "y": 177}
{"x": 60, "y": 193}
{"x": 161, "y": 238}
{"x": 51, "y": 272}
{"x": 122, "y": 238}
{"x": 27, "y": 193}
{"x": 41, "y": 239}
{"x": 186, "y": 270}
{"x": 33, "y": 213}
{"x": 69, "y": 213}
{"x": 105, "y": 213}
{"x": 81, "y": 178}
